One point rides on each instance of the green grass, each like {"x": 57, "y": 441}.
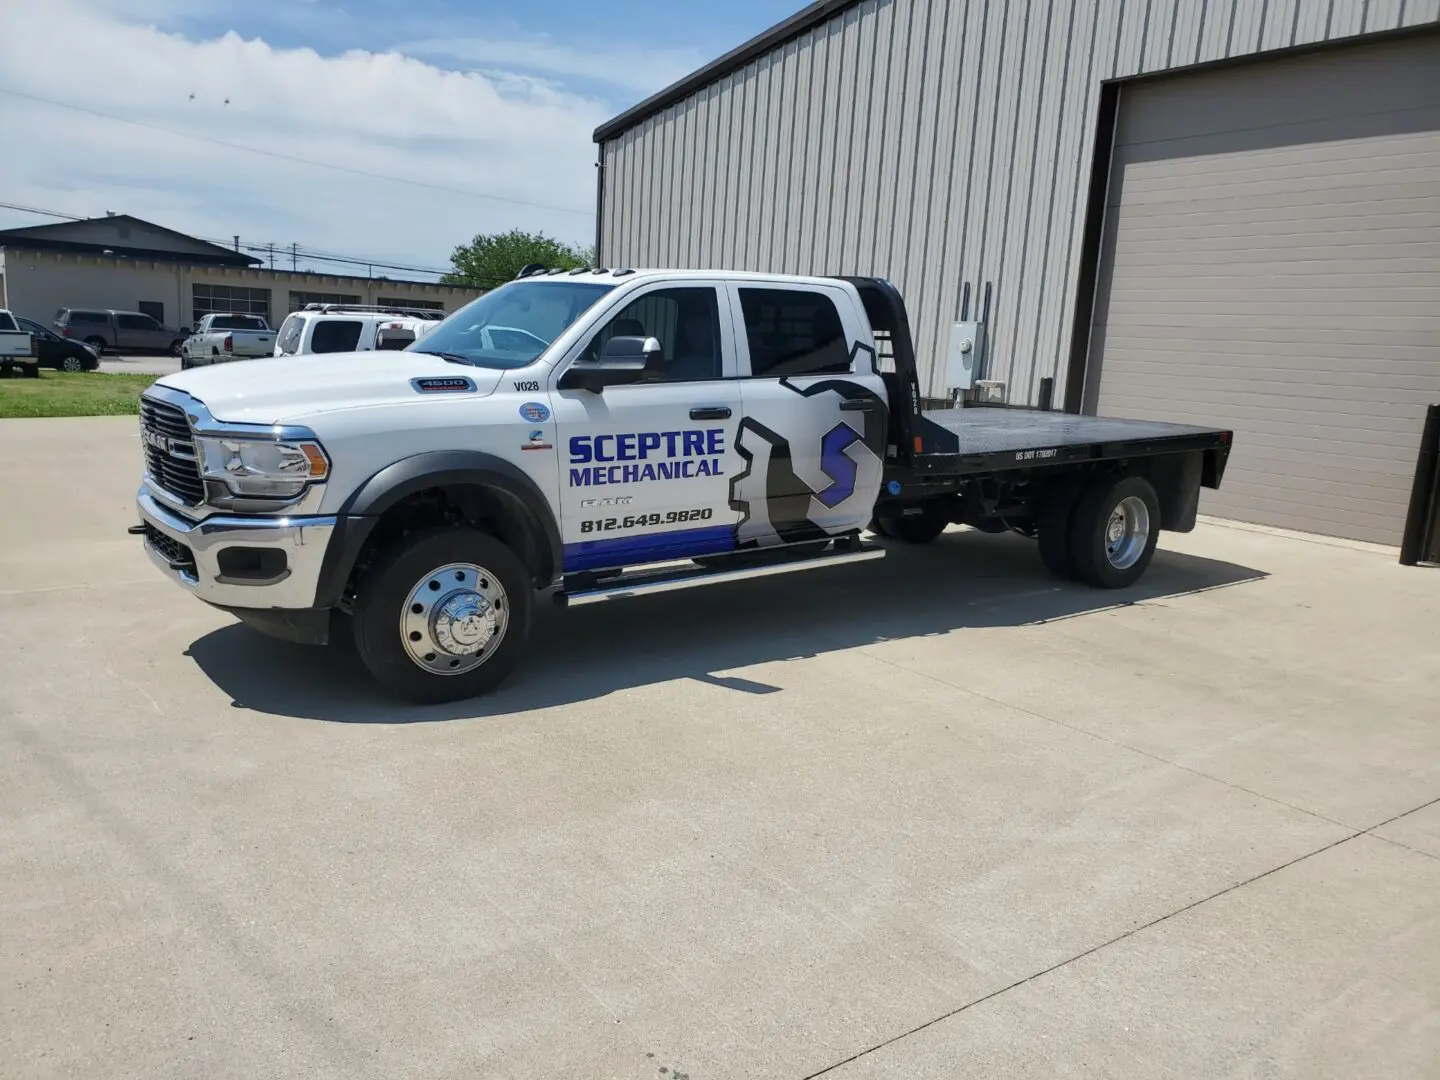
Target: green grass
{"x": 59, "y": 393}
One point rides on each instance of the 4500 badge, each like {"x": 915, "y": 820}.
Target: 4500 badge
{"x": 640, "y": 521}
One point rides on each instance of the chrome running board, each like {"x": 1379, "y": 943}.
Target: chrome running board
{"x": 689, "y": 576}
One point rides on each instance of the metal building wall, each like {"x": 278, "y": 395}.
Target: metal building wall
{"x": 934, "y": 142}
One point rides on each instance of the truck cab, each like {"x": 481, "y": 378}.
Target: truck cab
{"x": 17, "y": 347}
{"x": 602, "y": 434}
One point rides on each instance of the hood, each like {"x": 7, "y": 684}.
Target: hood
{"x": 289, "y": 387}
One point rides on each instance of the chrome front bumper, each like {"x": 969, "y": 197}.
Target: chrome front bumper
{"x": 302, "y": 539}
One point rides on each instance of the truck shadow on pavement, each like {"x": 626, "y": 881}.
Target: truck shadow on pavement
{"x": 963, "y": 580}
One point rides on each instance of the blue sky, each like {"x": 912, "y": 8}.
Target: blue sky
{"x": 457, "y": 107}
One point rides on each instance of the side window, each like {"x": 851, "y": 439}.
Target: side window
{"x": 290, "y": 334}
{"x": 89, "y": 318}
{"x": 335, "y": 335}
{"x": 685, "y": 321}
{"x": 6, "y": 322}
{"x": 135, "y": 322}
{"x": 793, "y": 332}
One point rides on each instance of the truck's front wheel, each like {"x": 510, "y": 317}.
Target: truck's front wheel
{"x": 443, "y": 615}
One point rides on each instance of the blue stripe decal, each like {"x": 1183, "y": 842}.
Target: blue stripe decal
{"x": 648, "y": 547}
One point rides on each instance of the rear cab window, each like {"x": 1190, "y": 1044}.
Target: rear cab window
{"x": 793, "y": 332}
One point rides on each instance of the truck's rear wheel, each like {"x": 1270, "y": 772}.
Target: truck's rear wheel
{"x": 444, "y": 615}
{"x": 1113, "y": 531}
{"x": 913, "y": 528}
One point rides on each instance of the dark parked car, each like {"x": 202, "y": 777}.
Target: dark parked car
{"x": 118, "y": 331}
{"x": 62, "y": 354}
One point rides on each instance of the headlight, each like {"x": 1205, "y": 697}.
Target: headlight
{"x": 261, "y": 468}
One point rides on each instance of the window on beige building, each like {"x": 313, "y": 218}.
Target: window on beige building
{"x": 426, "y": 305}
{"x": 298, "y": 299}
{"x": 230, "y": 299}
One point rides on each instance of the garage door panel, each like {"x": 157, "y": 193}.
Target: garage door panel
{"x": 1421, "y": 328}
{"x": 1378, "y": 225}
{"x": 1296, "y": 186}
{"x": 1232, "y": 297}
{"x": 1364, "y": 255}
{"x": 1394, "y": 273}
{"x": 1310, "y": 162}
{"x": 1234, "y": 205}
{"x": 1414, "y": 345}
{"x": 1340, "y": 494}
{"x": 1368, "y": 359}
{"x": 1298, "y": 383}
{"x": 1276, "y": 94}
{"x": 1329, "y": 518}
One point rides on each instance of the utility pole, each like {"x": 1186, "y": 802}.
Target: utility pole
{"x": 272, "y": 255}
{"x": 294, "y": 255}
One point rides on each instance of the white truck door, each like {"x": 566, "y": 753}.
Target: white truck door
{"x": 646, "y": 467}
{"x": 813, "y": 432}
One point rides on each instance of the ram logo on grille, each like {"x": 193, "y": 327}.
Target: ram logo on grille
{"x": 164, "y": 443}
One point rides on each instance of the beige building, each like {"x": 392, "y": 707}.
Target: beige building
{"x": 124, "y": 263}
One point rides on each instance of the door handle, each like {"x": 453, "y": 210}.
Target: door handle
{"x": 712, "y": 412}
{"x": 859, "y": 405}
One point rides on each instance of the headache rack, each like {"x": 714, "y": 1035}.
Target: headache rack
{"x": 376, "y": 309}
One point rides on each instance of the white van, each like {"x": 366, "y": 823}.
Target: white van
{"x": 340, "y": 328}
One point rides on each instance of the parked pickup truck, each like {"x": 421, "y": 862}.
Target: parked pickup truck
{"x": 220, "y": 338}
{"x": 660, "y": 430}
{"x": 17, "y": 347}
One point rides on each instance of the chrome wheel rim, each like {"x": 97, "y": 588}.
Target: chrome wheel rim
{"x": 1127, "y": 532}
{"x": 454, "y": 619}
{"x": 72, "y": 363}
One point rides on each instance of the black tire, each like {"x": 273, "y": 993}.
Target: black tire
{"x": 98, "y": 344}
{"x": 5, "y": 370}
{"x": 1091, "y": 553}
{"x": 913, "y": 528}
{"x": 177, "y": 346}
{"x": 382, "y": 593}
{"x": 184, "y": 363}
{"x": 1052, "y": 527}
{"x": 32, "y": 371}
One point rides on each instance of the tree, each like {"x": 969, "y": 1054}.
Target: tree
{"x": 491, "y": 260}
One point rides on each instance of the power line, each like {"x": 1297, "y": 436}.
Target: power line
{"x": 291, "y": 158}
{"x": 42, "y": 213}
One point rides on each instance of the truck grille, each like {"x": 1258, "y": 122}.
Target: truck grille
{"x": 170, "y": 451}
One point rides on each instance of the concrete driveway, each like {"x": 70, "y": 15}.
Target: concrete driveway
{"x": 938, "y": 816}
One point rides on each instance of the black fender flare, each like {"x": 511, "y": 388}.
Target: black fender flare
{"x": 520, "y": 496}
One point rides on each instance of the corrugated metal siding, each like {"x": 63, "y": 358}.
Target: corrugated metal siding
{"x": 936, "y": 142}
{"x": 1272, "y": 264}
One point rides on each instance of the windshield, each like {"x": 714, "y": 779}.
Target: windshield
{"x": 510, "y": 326}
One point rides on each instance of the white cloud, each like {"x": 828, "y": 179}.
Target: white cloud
{"x": 636, "y": 68}
{"x": 506, "y": 134}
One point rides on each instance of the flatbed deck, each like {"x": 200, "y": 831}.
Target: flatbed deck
{"x": 975, "y": 440}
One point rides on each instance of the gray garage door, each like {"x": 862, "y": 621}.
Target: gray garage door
{"x": 1272, "y": 264}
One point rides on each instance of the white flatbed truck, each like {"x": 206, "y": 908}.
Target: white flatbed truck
{"x": 648, "y": 431}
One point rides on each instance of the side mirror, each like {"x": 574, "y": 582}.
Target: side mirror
{"x": 623, "y": 360}
{"x": 394, "y": 338}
